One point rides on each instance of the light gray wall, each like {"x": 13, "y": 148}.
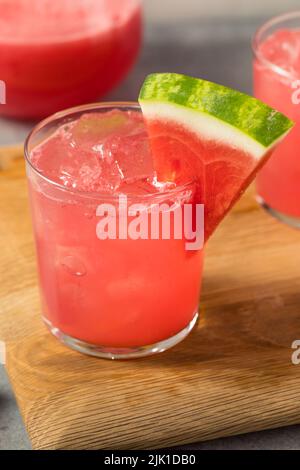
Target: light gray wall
{"x": 176, "y": 10}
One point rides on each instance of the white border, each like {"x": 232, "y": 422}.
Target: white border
{"x": 205, "y": 125}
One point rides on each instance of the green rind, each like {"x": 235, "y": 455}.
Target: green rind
{"x": 249, "y": 115}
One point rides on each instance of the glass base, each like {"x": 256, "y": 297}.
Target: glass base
{"x": 286, "y": 219}
{"x": 106, "y": 352}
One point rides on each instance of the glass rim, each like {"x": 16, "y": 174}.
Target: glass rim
{"x": 261, "y": 30}
{"x": 94, "y": 194}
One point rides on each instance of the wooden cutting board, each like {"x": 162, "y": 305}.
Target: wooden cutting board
{"x": 232, "y": 375}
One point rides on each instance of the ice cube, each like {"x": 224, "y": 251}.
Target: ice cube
{"x": 98, "y": 152}
{"x": 92, "y": 128}
{"x": 132, "y": 153}
{"x": 283, "y": 49}
{"x": 53, "y": 157}
{"x": 121, "y": 142}
{"x": 89, "y": 172}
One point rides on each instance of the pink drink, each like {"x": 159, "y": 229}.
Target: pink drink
{"x": 55, "y": 54}
{"x": 276, "y": 68}
{"x": 114, "y": 297}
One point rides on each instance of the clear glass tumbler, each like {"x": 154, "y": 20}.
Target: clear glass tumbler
{"x": 276, "y": 65}
{"x": 113, "y": 298}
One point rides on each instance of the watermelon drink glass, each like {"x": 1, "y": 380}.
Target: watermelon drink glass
{"x": 56, "y": 54}
{"x": 276, "y": 72}
{"x": 113, "y": 298}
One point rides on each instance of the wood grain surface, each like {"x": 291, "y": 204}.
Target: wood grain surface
{"x": 232, "y": 375}
{"x": 9, "y": 154}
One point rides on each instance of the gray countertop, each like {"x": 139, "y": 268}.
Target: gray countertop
{"x": 215, "y": 50}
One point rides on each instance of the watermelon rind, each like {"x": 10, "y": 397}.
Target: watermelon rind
{"x": 214, "y": 111}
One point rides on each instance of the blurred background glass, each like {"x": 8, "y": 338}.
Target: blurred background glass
{"x": 276, "y": 82}
{"x": 59, "y": 53}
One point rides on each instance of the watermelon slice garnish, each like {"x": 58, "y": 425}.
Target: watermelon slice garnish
{"x": 210, "y": 133}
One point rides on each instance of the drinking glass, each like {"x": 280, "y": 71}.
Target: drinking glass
{"x": 112, "y": 298}
{"x": 276, "y": 82}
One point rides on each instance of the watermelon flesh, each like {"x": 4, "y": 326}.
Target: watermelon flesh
{"x": 221, "y": 173}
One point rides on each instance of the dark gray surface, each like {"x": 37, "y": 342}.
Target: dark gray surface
{"x": 216, "y": 51}
{"x": 12, "y": 432}
{"x": 212, "y": 49}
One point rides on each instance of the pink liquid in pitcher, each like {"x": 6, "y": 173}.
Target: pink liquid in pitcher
{"x": 276, "y": 70}
{"x": 56, "y": 54}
